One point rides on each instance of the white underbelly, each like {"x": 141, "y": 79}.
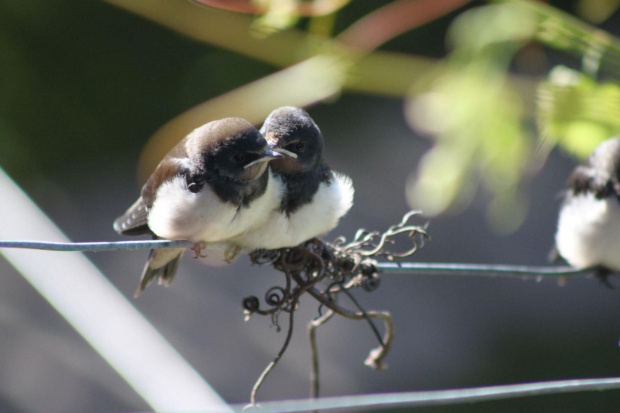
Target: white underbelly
{"x": 589, "y": 232}
{"x": 329, "y": 204}
{"x": 180, "y": 214}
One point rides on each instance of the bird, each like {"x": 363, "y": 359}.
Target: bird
{"x": 314, "y": 198}
{"x": 588, "y": 233}
{"x": 214, "y": 185}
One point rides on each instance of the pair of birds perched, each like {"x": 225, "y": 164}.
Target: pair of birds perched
{"x": 229, "y": 184}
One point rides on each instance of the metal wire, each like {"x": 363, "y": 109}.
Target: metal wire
{"x": 440, "y": 397}
{"x": 482, "y": 270}
{"x": 96, "y": 246}
{"x": 422, "y": 268}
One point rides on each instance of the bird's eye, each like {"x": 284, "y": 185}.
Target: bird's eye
{"x": 194, "y": 187}
{"x": 239, "y": 158}
{"x": 299, "y": 146}
{"x": 195, "y": 182}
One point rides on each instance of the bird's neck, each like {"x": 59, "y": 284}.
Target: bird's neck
{"x": 240, "y": 194}
{"x": 302, "y": 186}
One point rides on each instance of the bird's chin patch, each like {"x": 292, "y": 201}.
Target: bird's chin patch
{"x": 253, "y": 172}
{"x": 287, "y": 165}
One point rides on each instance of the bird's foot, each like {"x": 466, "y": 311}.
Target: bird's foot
{"x": 231, "y": 253}
{"x": 198, "y": 249}
{"x": 603, "y": 274}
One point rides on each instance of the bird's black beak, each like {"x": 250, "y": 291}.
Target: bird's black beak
{"x": 257, "y": 168}
{"x": 284, "y": 152}
{"x": 268, "y": 155}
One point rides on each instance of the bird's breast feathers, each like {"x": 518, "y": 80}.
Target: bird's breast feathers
{"x": 589, "y": 231}
{"x": 330, "y": 203}
{"x": 180, "y": 214}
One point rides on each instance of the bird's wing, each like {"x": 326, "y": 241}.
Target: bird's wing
{"x": 134, "y": 220}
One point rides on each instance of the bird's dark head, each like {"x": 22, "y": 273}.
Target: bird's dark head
{"x": 231, "y": 149}
{"x": 606, "y": 159}
{"x": 292, "y": 132}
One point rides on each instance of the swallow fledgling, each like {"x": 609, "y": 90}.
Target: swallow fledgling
{"x": 314, "y": 198}
{"x": 588, "y": 232}
{"x": 211, "y": 187}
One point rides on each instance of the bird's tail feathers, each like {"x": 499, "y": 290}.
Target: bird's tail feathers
{"x": 161, "y": 265}
{"x": 554, "y": 256}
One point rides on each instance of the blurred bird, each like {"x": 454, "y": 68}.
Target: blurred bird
{"x": 588, "y": 232}
{"x": 211, "y": 187}
{"x": 315, "y": 197}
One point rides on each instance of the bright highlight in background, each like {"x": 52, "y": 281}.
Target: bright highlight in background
{"x": 99, "y": 312}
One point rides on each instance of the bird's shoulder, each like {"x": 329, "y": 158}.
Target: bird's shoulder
{"x": 135, "y": 220}
{"x": 176, "y": 162}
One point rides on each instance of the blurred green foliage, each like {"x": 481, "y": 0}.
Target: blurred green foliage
{"x": 476, "y": 106}
{"x": 577, "y": 111}
{"x": 476, "y": 118}
{"x": 479, "y": 119}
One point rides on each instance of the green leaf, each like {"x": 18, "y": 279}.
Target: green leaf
{"x": 476, "y": 122}
{"x": 576, "y": 112}
{"x": 280, "y": 15}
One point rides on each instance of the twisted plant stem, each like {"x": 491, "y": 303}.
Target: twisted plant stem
{"x": 277, "y": 358}
{"x": 314, "y": 373}
{"x": 376, "y": 356}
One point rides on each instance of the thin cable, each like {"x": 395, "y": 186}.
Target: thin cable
{"x": 425, "y": 268}
{"x": 482, "y": 270}
{"x": 441, "y": 397}
{"x": 96, "y": 246}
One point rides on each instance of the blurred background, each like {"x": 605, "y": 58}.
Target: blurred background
{"x": 464, "y": 113}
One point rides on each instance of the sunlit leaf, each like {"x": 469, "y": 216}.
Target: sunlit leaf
{"x": 280, "y": 15}
{"x": 477, "y": 122}
{"x": 598, "y": 49}
{"x": 482, "y": 27}
{"x": 577, "y": 112}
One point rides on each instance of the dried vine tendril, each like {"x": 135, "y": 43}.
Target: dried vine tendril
{"x": 326, "y": 270}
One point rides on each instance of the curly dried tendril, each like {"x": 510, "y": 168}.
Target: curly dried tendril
{"x": 251, "y": 303}
{"x": 326, "y": 270}
{"x": 274, "y": 296}
{"x": 371, "y": 282}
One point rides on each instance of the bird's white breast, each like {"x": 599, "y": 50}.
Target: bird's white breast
{"x": 330, "y": 203}
{"x": 589, "y": 232}
{"x": 180, "y": 214}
